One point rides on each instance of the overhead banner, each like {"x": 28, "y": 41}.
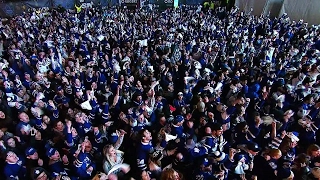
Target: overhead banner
{"x": 175, "y": 3}
{"x": 130, "y": 3}
{"x": 256, "y": 5}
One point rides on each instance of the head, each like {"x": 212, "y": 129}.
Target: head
{"x": 11, "y": 157}
{"x": 170, "y": 174}
{"x": 32, "y": 154}
{"x": 24, "y": 117}
{"x": 46, "y": 119}
{"x": 109, "y": 150}
{"x": 11, "y": 142}
{"x": 2, "y": 115}
{"x": 145, "y": 135}
{"x": 217, "y": 130}
{"x": 145, "y": 175}
{"x": 54, "y": 154}
{"x": 275, "y": 154}
{"x": 313, "y": 150}
{"x": 39, "y": 174}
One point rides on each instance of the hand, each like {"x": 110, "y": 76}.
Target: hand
{"x": 90, "y": 169}
{"x": 65, "y": 159}
{"x": 17, "y": 138}
{"x": 5, "y": 73}
{"x": 40, "y": 162}
{"x": 122, "y": 132}
{"x": 51, "y": 103}
{"x": 69, "y": 124}
{"x": 108, "y": 124}
{"x": 44, "y": 126}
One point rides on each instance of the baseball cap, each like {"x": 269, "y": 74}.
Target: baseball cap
{"x": 30, "y": 151}
{"x": 253, "y": 147}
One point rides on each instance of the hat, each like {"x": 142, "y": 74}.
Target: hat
{"x": 178, "y": 119}
{"x": 59, "y": 88}
{"x": 51, "y": 151}
{"x": 172, "y": 108}
{"x": 219, "y": 156}
{"x": 37, "y": 171}
{"x": 216, "y": 127}
{"x": 30, "y": 151}
{"x": 180, "y": 94}
{"x": 205, "y": 162}
{"x": 253, "y": 147}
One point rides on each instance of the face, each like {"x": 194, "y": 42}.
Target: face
{"x": 33, "y": 156}
{"x": 111, "y": 151}
{"x": 218, "y": 133}
{"x": 147, "y": 135}
{"x": 60, "y": 126}
{"x": 315, "y": 153}
{"x": 2, "y": 115}
{"x": 11, "y": 142}
{"x": 145, "y": 175}
{"x": 176, "y": 175}
{"x": 55, "y": 156}
{"x": 88, "y": 145}
{"x": 12, "y": 157}
{"x": 46, "y": 119}
{"x": 74, "y": 132}
{"x": 24, "y": 117}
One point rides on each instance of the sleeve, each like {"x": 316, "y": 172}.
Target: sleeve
{"x": 39, "y": 122}
{"x": 79, "y": 161}
{"x": 69, "y": 140}
{"x": 141, "y": 162}
{"x": 119, "y": 142}
{"x": 97, "y": 137}
{"x": 106, "y": 167}
{"x": 275, "y": 142}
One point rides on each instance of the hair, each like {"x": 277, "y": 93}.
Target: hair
{"x": 168, "y": 174}
{"x": 273, "y": 152}
{"x": 311, "y": 148}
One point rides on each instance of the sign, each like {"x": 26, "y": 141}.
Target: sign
{"x": 130, "y": 3}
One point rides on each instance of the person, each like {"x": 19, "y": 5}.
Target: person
{"x": 14, "y": 167}
{"x": 114, "y": 157}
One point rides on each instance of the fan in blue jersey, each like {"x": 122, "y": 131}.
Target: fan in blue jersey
{"x": 14, "y": 167}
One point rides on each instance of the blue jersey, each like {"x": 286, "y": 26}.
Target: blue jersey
{"x": 143, "y": 151}
{"x": 15, "y": 170}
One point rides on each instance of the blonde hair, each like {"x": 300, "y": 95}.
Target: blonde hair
{"x": 106, "y": 154}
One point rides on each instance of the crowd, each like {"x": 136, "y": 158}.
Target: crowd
{"x": 189, "y": 93}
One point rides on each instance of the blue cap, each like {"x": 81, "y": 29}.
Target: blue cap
{"x": 113, "y": 138}
{"x": 205, "y": 162}
{"x": 30, "y": 151}
{"x": 59, "y": 88}
{"x": 178, "y": 119}
{"x": 51, "y": 151}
